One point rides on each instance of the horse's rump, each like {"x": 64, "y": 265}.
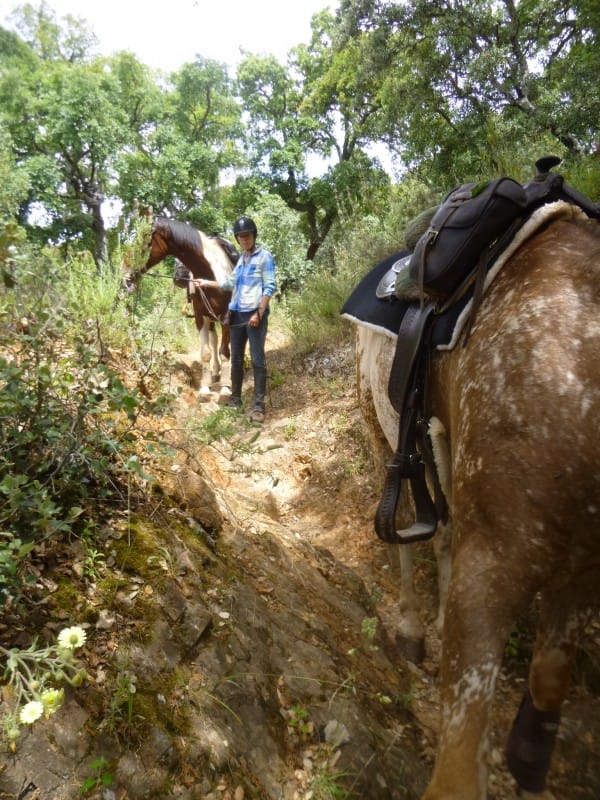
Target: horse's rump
{"x": 520, "y": 407}
{"x": 521, "y": 403}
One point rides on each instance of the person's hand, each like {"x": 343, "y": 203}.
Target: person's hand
{"x": 254, "y": 320}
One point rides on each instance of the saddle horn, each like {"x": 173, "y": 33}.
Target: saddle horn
{"x": 544, "y": 165}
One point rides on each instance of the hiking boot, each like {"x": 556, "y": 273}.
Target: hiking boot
{"x": 260, "y": 385}
{"x": 237, "y": 379}
{"x": 257, "y": 415}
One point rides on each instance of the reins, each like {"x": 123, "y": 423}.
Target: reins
{"x": 204, "y": 298}
{"x": 151, "y": 275}
{"x": 194, "y": 281}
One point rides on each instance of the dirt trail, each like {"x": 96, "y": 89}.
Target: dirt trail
{"x": 310, "y": 470}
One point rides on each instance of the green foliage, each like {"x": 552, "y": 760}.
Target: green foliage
{"x": 10, "y": 235}
{"x": 281, "y": 234}
{"x": 12, "y": 552}
{"x": 190, "y": 137}
{"x": 14, "y": 183}
{"x": 301, "y": 722}
{"x": 457, "y": 92}
{"x": 91, "y": 298}
{"x": 219, "y": 425}
{"x": 450, "y": 74}
{"x": 224, "y": 426}
{"x": 102, "y": 775}
{"x": 583, "y": 174}
{"x": 120, "y": 711}
{"x": 368, "y": 631}
{"x": 68, "y": 424}
{"x": 94, "y": 560}
{"x": 314, "y": 313}
{"x": 316, "y": 113}
{"x": 328, "y": 785}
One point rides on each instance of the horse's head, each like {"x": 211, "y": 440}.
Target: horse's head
{"x": 137, "y": 253}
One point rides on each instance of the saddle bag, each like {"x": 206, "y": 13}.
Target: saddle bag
{"x": 467, "y": 226}
{"x": 182, "y": 275}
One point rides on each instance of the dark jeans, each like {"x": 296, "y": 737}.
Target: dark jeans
{"x": 241, "y": 333}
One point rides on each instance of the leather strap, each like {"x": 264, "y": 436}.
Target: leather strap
{"x": 487, "y": 258}
{"x": 410, "y": 336}
{"x": 431, "y": 235}
{"x": 407, "y": 396}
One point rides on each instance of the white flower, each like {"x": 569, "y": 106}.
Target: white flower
{"x": 52, "y": 700}
{"x": 31, "y": 711}
{"x": 72, "y": 638}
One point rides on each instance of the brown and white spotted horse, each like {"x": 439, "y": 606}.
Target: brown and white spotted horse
{"x": 520, "y": 409}
{"x": 207, "y": 257}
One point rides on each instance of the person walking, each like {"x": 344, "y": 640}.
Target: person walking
{"x": 252, "y": 284}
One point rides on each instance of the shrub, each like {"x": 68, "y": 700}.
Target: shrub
{"x": 67, "y": 421}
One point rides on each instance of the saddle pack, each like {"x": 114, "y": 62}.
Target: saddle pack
{"x": 476, "y": 221}
{"x": 182, "y": 275}
{"x": 464, "y": 228}
{"x": 465, "y": 235}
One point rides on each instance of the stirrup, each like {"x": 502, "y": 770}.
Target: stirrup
{"x": 418, "y": 532}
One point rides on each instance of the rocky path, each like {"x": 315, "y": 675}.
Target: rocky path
{"x": 312, "y": 474}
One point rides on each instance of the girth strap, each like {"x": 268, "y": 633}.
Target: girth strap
{"x": 406, "y": 393}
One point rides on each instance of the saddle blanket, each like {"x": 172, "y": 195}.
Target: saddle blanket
{"x": 385, "y": 315}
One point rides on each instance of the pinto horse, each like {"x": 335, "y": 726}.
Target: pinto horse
{"x": 519, "y": 408}
{"x": 208, "y": 257}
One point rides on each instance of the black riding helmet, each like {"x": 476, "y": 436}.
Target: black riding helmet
{"x": 244, "y": 225}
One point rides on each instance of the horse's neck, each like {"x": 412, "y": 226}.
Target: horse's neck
{"x": 216, "y": 257}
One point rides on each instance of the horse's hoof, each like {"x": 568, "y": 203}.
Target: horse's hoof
{"x": 224, "y": 396}
{"x": 204, "y": 394}
{"x": 411, "y": 649}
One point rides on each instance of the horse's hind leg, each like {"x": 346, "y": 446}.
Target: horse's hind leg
{"x": 563, "y": 616}
{"x": 225, "y": 355}
{"x": 215, "y": 362}
{"x": 205, "y": 357}
{"x": 442, "y": 541}
{"x": 409, "y": 630}
{"x": 442, "y": 547}
{"x": 405, "y": 625}
{"x": 483, "y": 601}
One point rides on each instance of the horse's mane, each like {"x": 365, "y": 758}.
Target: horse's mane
{"x": 193, "y": 247}
{"x": 180, "y": 233}
{"x": 227, "y": 246}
